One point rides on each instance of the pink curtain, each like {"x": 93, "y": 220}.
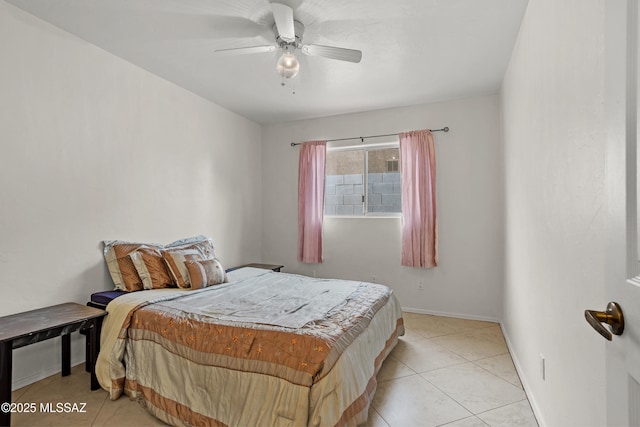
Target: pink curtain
{"x": 419, "y": 222}
{"x": 311, "y": 173}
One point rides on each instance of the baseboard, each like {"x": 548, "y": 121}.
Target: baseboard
{"x": 532, "y": 400}
{"x": 447, "y": 314}
{"x": 18, "y": 383}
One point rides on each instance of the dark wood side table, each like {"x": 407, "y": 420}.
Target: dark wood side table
{"x": 21, "y": 329}
{"x": 274, "y": 267}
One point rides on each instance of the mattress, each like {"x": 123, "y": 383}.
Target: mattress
{"x": 265, "y": 349}
{"x": 105, "y": 297}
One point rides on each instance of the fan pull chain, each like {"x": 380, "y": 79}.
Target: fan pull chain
{"x": 284, "y": 83}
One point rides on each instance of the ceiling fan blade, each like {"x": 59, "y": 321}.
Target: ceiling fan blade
{"x": 283, "y": 15}
{"x": 246, "y": 50}
{"x": 339, "y": 53}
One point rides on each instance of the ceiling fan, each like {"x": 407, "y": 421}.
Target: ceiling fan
{"x": 288, "y": 37}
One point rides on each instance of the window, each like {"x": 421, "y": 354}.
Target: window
{"x": 363, "y": 180}
{"x": 392, "y": 165}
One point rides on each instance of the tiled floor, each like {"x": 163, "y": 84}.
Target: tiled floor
{"x": 444, "y": 371}
{"x": 449, "y": 372}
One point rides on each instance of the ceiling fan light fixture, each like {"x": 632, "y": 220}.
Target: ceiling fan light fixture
{"x": 288, "y": 37}
{"x": 288, "y": 65}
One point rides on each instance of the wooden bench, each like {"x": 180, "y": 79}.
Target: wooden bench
{"x": 30, "y": 327}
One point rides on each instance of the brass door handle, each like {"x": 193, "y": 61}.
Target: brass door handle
{"x": 612, "y": 317}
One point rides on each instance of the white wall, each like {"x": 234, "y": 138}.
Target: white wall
{"x": 468, "y": 281}
{"x": 94, "y": 148}
{"x": 552, "y": 108}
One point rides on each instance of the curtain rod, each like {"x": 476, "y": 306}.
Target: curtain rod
{"x": 444, "y": 129}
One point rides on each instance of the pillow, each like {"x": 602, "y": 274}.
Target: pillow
{"x": 175, "y": 259}
{"x": 207, "y": 272}
{"x": 202, "y": 244}
{"x": 123, "y": 272}
{"x": 151, "y": 268}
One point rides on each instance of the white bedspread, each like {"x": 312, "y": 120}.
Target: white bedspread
{"x": 279, "y": 303}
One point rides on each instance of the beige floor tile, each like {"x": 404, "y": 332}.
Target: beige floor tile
{"x": 16, "y": 394}
{"x": 393, "y": 368}
{"x": 491, "y": 333}
{"x": 125, "y": 412}
{"x": 427, "y": 326}
{"x": 413, "y": 401}
{"x": 424, "y": 355}
{"x": 375, "y": 420}
{"x": 410, "y": 335}
{"x": 459, "y": 325}
{"x": 467, "y": 422}
{"x": 517, "y": 414}
{"x": 470, "y": 346}
{"x": 474, "y": 388}
{"x": 501, "y": 366}
{"x": 69, "y": 390}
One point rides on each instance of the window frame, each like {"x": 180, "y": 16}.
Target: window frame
{"x": 366, "y": 148}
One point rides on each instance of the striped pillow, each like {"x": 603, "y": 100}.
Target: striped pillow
{"x": 121, "y": 268}
{"x": 151, "y": 268}
{"x": 203, "y": 273}
{"x": 175, "y": 261}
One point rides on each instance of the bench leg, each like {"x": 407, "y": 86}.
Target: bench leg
{"x": 87, "y": 350}
{"x": 94, "y": 349}
{"x": 66, "y": 355}
{"x": 5, "y": 381}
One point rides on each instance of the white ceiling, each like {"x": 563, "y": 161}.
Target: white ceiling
{"x": 414, "y": 51}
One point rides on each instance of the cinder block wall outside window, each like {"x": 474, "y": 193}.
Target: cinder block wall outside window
{"x": 345, "y": 183}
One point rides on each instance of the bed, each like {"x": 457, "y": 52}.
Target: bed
{"x": 266, "y": 348}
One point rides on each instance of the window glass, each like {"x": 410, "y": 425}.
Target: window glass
{"x": 383, "y": 183}
{"x": 344, "y": 186}
{"x": 363, "y": 181}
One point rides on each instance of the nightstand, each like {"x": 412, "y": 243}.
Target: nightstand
{"x": 274, "y": 267}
